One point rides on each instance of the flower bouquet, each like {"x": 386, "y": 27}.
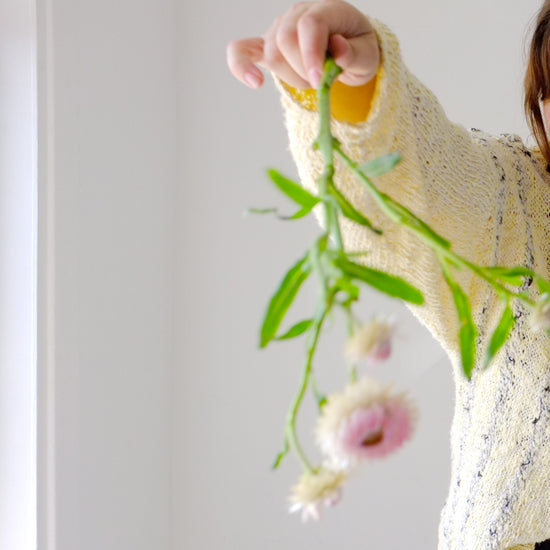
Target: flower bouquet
{"x": 367, "y": 420}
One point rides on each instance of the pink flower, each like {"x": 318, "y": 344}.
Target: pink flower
{"x": 372, "y": 341}
{"x": 365, "y": 421}
{"x": 376, "y": 431}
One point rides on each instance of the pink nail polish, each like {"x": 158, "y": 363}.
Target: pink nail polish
{"x": 314, "y": 77}
{"x": 252, "y": 80}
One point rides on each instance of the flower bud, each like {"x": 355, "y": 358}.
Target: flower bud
{"x": 372, "y": 341}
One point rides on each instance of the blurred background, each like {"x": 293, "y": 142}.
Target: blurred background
{"x": 158, "y": 418}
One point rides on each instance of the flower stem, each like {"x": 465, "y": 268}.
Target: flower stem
{"x": 325, "y": 143}
{"x": 290, "y": 430}
{"x": 442, "y": 252}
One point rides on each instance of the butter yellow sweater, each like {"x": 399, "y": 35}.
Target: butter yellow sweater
{"x": 490, "y": 196}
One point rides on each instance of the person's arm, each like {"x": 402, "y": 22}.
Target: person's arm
{"x": 448, "y": 177}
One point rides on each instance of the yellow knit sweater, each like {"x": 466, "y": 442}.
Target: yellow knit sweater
{"x": 489, "y": 196}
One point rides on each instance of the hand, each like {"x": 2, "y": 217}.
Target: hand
{"x": 295, "y": 46}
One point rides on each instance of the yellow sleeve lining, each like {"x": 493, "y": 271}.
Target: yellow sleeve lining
{"x": 347, "y": 103}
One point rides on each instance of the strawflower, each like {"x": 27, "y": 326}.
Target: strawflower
{"x": 314, "y": 490}
{"x": 372, "y": 341}
{"x": 365, "y": 421}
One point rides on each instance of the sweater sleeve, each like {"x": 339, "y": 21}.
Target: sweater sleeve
{"x": 449, "y": 177}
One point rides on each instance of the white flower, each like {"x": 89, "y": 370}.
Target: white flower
{"x": 372, "y": 341}
{"x": 313, "y": 490}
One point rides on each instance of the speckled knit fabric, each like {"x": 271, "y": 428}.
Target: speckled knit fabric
{"x": 490, "y": 196}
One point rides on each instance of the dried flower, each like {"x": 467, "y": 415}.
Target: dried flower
{"x": 313, "y": 490}
{"x": 365, "y": 421}
{"x": 372, "y": 341}
{"x": 540, "y": 316}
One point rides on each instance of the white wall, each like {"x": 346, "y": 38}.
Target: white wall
{"x": 17, "y": 276}
{"x": 108, "y": 176}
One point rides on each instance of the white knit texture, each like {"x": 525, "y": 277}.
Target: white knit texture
{"x": 488, "y": 195}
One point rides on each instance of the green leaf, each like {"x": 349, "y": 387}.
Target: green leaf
{"x": 259, "y": 211}
{"x": 468, "y": 332}
{"x": 409, "y": 218}
{"x": 282, "y": 299}
{"x": 281, "y": 455}
{"x": 543, "y": 284}
{"x": 300, "y": 214}
{"x": 345, "y": 285}
{"x": 467, "y": 337}
{"x": 394, "y": 286}
{"x": 501, "y": 333}
{"x": 293, "y": 190}
{"x": 380, "y": 165}
{"x": 322, "y": 242}
{"x": 296, "y": 330}
{"x": 511, "y": 275}
{"x": 349, "y": 211}
{"x": 304, "y": 211}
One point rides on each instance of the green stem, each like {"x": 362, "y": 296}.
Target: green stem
{"x": 319, "y": 397}
{"x": 290, "y": 429}
{"x": 350, "y": 324}
{"x": 325, "y": 143}
{"x": 441, "y": 251}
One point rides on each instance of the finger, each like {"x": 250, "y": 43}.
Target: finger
{"x": 275, "y": 60}
{"x": 241, "y": 58}
{"x": 313, "y": 36}
{"x": 323, "y": 20}
{"x": 286, "y": 38}
{"x": 359, "y": 58}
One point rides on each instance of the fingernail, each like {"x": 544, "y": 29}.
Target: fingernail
{"x": 253, "y": 80}
{"x": 314, "y": 77}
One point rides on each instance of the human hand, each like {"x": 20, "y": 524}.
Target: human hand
{"x": 295, "y": 46}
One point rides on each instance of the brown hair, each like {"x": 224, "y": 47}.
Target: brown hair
{"x": 537, "y": 78}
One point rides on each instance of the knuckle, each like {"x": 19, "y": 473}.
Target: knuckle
{"x": 310, "y": 20}
{"x": 272, "y": 55}
{"x": 286, "y": 36}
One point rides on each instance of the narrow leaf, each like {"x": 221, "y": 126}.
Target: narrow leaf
{"x": 468, "y": 332}
{"x": 259, "y": 211}
{"x": 394, "y": 286}
{"x": 304, "y": 211}
{"x": 511, "y": 275}
{"x": 410, "y": 219}
{"x": 281, "y": 455}
{"x": 467, "y": 337}
{"x": 293, "y": 190}
{"x": 349, "y": 211}
{"x": 282, "y": 299}
{"x": 380, "y": 165}
{"x": 345, "y": 285}
{"x": 501, "y": 333}
{"x": 296, "y": 330}
{"x": 543, "y": 284}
